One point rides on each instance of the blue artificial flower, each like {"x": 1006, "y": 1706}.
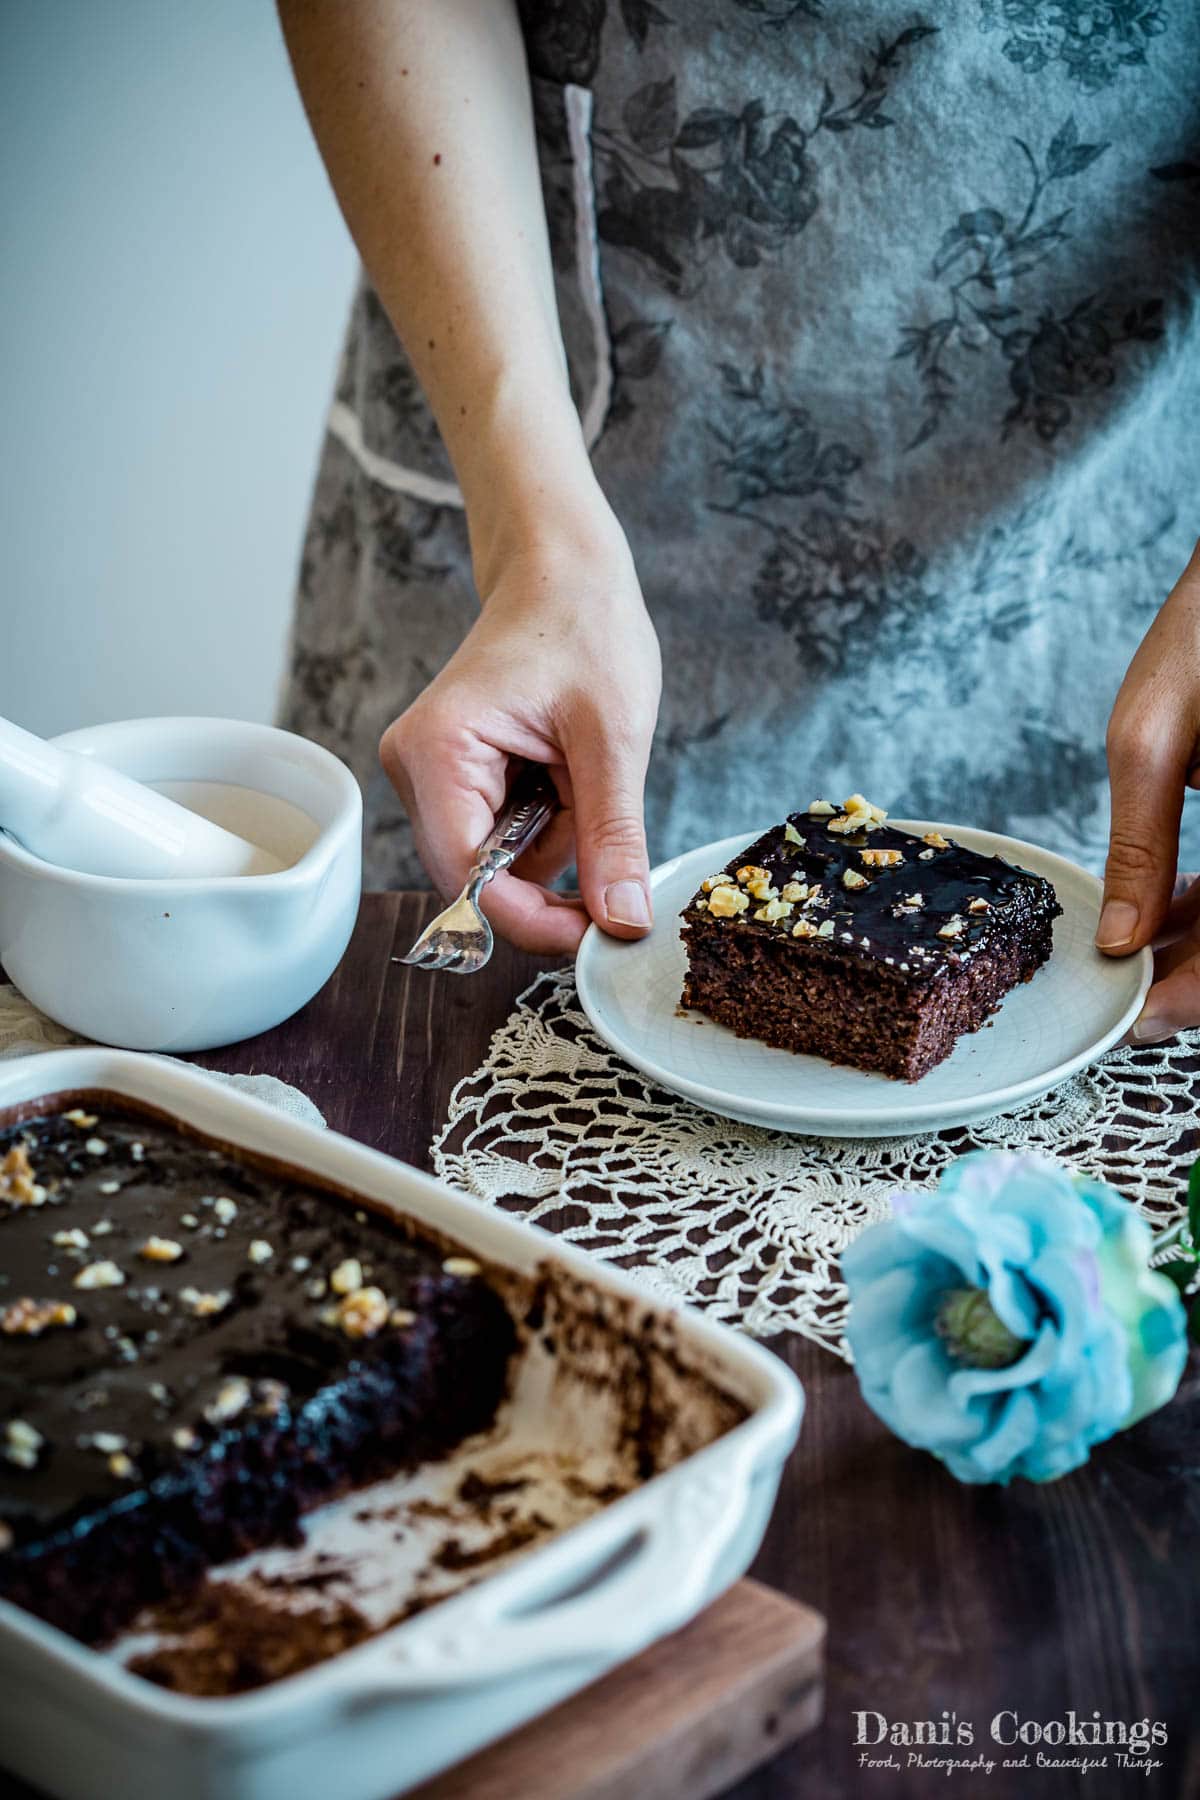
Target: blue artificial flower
{"x": 1009, "y": 1320}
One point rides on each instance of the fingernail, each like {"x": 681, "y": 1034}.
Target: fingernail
{"x": 1118, "y": 922}
{"x": 1149, "y": 1030}
{"x": 625, "y": 903}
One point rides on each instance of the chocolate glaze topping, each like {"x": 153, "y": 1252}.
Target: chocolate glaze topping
{"x": 154, "y": 1370}
{"x": 876, "y": 923}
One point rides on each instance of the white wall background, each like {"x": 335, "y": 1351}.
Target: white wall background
{"x": 174, "y": 278}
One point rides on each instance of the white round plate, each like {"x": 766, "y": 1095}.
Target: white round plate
{"x": 1076, "y": 1007}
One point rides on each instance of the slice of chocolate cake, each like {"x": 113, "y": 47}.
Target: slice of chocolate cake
{"x": 195, "y": 1348}
{"x": 840, "y": 936}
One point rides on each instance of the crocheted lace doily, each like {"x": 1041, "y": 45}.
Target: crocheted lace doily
{"x": 749, "y": 1223}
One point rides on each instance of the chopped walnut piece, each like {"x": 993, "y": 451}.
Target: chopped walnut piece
{"x": 804, "y": 928}
{"x": 763, "y": 889}
{"x": 936, "y": 840}
{"x": 925, "y": 855}
{"x": 100, "y": 1275}
{"x": 270, "y": 1396}
{"x": 16, "y": 1179}
{"x": 852, "y": 879}
{"x": 121, "y": 1466}
{"x": 160, "y": 1249}
{"x": 713, "y": 881}
{"x": 184, "y": 1438}
{"x": 202, "y": 1305}
{"x": 821, "y": 809}
{"x": 882, "y": 859}
{"x": 259, "y": 1251}
{"x": 727, "y": 902}
{"x": 96, "y": 1146}
{"x": 22, "y": 1442}
{"x": 107, "y": 1442}
{"x": 231, "y": 1398}
{"x": 774, "y": 910}
{"x": 794, "y": 890}
{"x": 362, "y": 1313}
{"x": 347, "y": 1278}
{"x": 400, "y": 1317}
{"x": 910, "y": 903}
{"x": 70, "y": 1240}
{"x": 29, "y": 1318}
{"x": 461, "y": 1265}
{"x": 979, "y": 904}
{"x": 752, "y": 872}
{"x": 952, "y": 928}
{"x": 84, "y": 1120}
{"x": 825, "y": 928}
{"x": 791, "y": 835}
{"x": 225, "y": 1209}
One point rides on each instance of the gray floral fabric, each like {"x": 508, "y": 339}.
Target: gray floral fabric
{"x": 897, "y": 307}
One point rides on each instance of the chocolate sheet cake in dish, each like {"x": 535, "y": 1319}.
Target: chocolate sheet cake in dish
{"x": 195, "y": 1350}
{"x": 623, "y": 1482}
{"x": 837, "y": 935}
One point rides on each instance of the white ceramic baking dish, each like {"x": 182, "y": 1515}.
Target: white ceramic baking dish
{"x": 421, "y": 1695}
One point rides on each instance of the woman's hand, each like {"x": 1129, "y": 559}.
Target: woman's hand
{"x": 1153, "y": 756}
{"x": 561, "y": 668}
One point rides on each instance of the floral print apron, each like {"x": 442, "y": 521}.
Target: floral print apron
{"x": 882, "y": 322}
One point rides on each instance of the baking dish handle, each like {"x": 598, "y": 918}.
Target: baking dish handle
{"x": 672, "y": 1555}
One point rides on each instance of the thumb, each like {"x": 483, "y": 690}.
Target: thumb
{"x": 608, "y": 772}
{"x": 1146, "y": 777}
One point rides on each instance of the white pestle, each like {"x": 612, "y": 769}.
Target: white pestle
{"x": 71, "y": 810}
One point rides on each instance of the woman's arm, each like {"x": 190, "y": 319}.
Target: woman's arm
{"x": 422, "y": 113}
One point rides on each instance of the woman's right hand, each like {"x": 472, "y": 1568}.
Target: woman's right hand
{"x": 561, "y": 668}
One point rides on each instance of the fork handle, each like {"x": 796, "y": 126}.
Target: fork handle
{"x": 532, "y": 801}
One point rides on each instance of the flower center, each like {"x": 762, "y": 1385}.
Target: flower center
{"x": 973, "y": 1332}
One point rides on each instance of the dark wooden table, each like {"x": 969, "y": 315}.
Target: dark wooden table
{"x": 943, "y": 1601}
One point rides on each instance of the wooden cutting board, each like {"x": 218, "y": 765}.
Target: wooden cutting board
{"x": 683, "y": 1721}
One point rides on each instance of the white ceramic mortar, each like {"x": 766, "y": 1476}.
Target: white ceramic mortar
{"x": 191, "y": 964}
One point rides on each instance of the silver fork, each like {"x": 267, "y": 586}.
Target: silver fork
{"x": 460, "y": 939}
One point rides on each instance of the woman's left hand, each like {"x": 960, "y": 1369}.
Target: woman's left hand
{"x": 1153, "y": 757}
